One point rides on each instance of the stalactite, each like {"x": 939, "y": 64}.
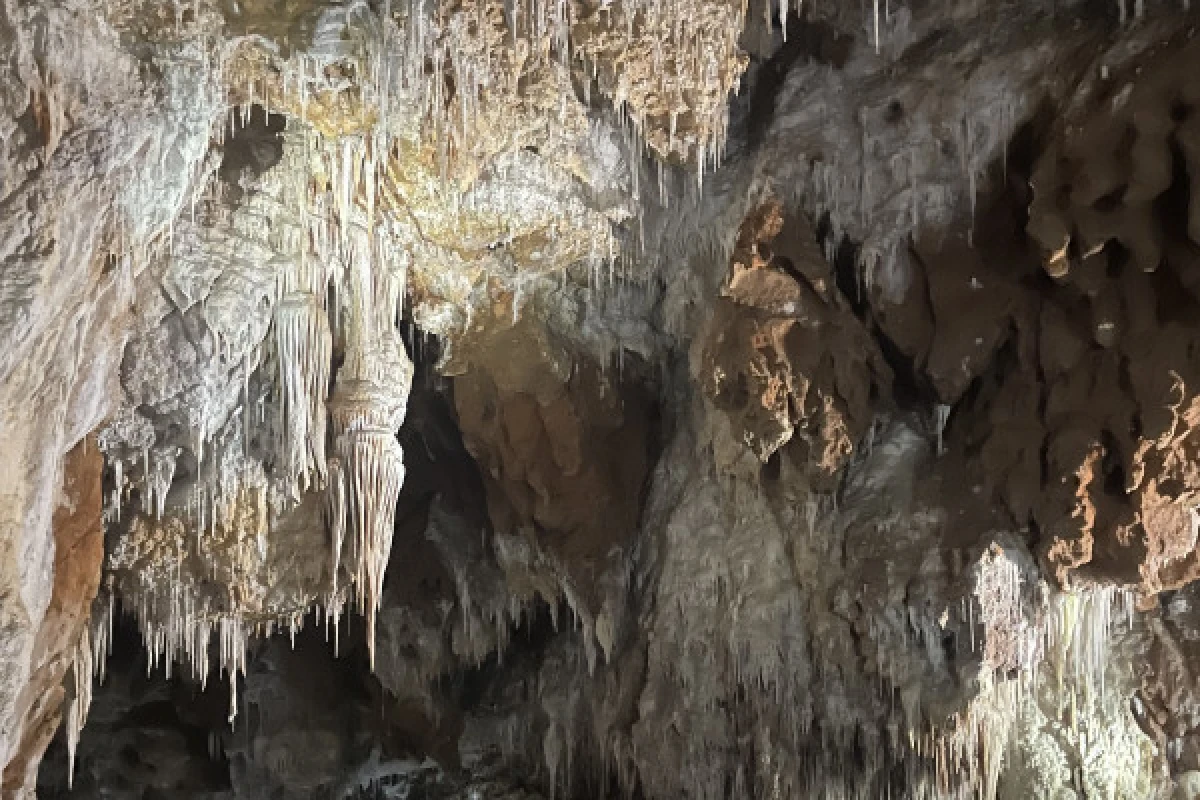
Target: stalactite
{"x": 337, "y": 517}
{"x": 305, "y": 352}
{"x": 1056, "y": 654}
{"x": 375, "y": 473}
{"x": 232, "y": 656}
{"x": 370, "y": 396}
{"x": 82, "y": 675}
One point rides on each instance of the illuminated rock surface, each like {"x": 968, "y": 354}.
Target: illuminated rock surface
{"x": 645, "y": 398}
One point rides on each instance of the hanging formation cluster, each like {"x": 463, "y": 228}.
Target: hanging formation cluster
{"x": 435, "y": 145}
{"x": 1045, "y": 673}
{"x": 304, "y": 347}
{"x": 310, "y": 273}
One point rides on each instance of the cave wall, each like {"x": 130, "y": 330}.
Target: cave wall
{"x": 457, "y": 419}
{"x": 77, "y": 110}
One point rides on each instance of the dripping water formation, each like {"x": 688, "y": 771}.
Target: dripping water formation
{"x": 634, "y": 399}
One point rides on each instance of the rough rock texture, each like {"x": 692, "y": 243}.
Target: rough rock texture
{"x": 78, "y": 556}
{"x": 783, "y": 354}
{"x": 564, "y": 450}
{"x": 76, "y": 111}
{"x": 1122, "y": 176}
{"x": 636, "y": 398}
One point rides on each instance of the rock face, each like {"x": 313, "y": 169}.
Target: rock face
{"x": 783, "y": 355}
{"x": 635, "y": 398}
{"x": 48, "y": 699}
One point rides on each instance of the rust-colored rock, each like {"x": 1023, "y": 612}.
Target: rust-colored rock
{"x": 782, "y": 354}
{"x": 563, "y": 446}
{"x": 79, "y": 553}
{"x": 1085, "y": 378}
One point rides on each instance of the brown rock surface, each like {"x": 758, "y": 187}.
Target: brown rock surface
{"x": 78, "y": 556}
{"x": 782, "y": 354}
{"x": 563, "y": 446}
{"x": 1104, "y": 372}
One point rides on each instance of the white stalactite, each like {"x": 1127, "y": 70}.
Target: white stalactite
{"x": 82, "y": 673}
{"x": 374, "y": 476}
{"x": 336, "y": 517}
{"x": 305, "y": 351}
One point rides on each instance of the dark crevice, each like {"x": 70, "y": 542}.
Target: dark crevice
{"x": 253, "y": 145}
{"x": 911, "y": 389}
{"x": 808, "y": 39}
{"x": 847, "y": 275}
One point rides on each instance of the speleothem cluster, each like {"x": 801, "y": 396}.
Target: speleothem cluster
{"x": 630, "y": 398}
